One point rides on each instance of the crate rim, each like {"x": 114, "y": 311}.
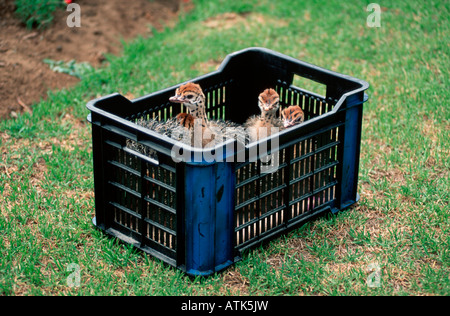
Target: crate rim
{"x": 364, "y": 84}
{"x": 169, "y": 143}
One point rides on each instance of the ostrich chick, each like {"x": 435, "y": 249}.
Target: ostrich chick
{"x": 191, "y": 96}
{"x": 260, "y": 126}
{"x": 292, "y": 115}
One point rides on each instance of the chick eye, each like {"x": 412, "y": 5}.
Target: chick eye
{"x": 190, "y": 97}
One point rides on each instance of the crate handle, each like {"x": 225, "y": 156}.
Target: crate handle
{"x": 151, "y": 160}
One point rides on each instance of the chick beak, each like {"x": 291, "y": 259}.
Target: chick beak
{"x": 177, "y": 99}
{"x": 268, "y": 107}
{"x": 287, "y": 123}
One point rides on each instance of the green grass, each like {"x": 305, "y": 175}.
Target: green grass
{"x": 401, "y": 223}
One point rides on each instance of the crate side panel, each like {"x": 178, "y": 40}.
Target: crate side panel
{"x": 314, "y": 172}
{"x": 260, "y": 198}
{"x": 142, "y": 198}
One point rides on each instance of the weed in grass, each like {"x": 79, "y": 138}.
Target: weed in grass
{"x": 71, "y": 68}
{"x": 37, "y": 13}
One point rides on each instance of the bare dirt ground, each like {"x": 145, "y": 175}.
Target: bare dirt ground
{"x": 25, "y": 78}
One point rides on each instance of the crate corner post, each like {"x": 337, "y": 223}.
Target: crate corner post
{"x": 208, "y": 217}
{"x": 352, "y": 150}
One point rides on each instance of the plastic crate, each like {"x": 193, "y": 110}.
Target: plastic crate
{"x": 199, "y": 215}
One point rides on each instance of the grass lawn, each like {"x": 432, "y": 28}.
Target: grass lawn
{"x": 395, "y": 241}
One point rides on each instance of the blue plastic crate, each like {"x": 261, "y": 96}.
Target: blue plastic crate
{"x": 199, "y": 215}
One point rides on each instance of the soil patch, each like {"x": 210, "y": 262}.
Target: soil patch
{"x": 25, "y": 78}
